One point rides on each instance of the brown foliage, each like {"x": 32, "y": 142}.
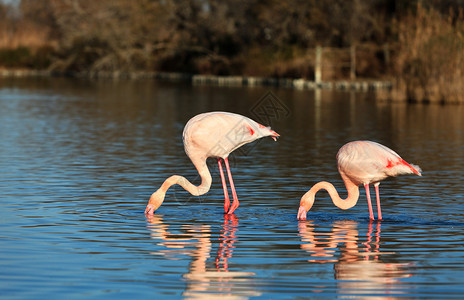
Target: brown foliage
{"x": 21, "y": 32}
{"x": 243, "y": 37}
{"x": 201, "y": 36}
{"x": 430, "y": 60}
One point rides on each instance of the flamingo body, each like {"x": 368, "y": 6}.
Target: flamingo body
{"x": 366, "y": 162}
{"x": 360, "y": 162}
{"x": 212, "y": 134}
{"x": 217, "y": 134}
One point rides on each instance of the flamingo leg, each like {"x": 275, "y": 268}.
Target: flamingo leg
{"x": 368, "y": 195}
{"x": 377, "y": 196}
{"x": 224, "y": 187}
{"x": 235, "y": 204}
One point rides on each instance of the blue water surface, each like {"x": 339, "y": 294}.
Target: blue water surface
{"x": 79, "y": 160}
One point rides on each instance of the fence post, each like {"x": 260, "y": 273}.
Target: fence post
{"x": 386, "y": 54}
{"x": 317, "y": 66}
{"x": 353, "y": 62}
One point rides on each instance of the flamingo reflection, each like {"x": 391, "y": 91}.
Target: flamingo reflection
{"x": 357, "y": 264}
{"x": 203, "y": 279}
{"x": 228, "y": 238}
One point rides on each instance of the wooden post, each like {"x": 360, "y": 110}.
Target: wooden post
{"x": 386, "y": 54}
{"x": 353, "y": 62}
{"x": 317, "y": 66}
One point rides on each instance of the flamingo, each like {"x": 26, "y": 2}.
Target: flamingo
{"x": 212, "y": 134}
{"x": 360, "y": 162}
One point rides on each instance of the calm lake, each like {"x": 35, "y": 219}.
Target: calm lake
{"x": 79, "y": 160}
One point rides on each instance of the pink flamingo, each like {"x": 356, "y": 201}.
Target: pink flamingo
{"x": 360, "y": 162}
{"x": 213, "y": 134}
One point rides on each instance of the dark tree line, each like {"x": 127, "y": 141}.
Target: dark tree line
{"x": 254, "y": 37}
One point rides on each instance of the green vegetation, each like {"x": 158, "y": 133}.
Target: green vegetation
{"x": 418, "y": 44}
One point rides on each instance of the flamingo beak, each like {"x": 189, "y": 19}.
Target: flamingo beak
{"x": 301, "y": 213}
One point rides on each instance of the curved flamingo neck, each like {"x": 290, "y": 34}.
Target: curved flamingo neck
{"x": 157, "y": 197}
{"x": 308, "y": 199}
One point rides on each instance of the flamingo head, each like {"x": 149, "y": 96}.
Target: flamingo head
{"x": 155, "y": 202}
{"x": 306, "y": 203}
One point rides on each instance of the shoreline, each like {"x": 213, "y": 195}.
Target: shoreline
{"x": 226, "y": 81}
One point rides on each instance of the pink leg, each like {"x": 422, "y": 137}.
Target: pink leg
{"x": 224, "y": 187}
{"x": 235, "y": 204}
{"x": 368, "y": 195}
{"x": 377, "y": 195}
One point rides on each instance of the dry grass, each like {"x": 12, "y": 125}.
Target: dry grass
{"x": 23, "y": 34}
{"x": 430, "y": 62}
{"x": 24, "y": 45}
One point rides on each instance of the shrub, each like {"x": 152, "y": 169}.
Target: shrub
{"x": 430, "y": 60}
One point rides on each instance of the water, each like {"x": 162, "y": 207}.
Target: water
{"x": 79, "y": 160}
